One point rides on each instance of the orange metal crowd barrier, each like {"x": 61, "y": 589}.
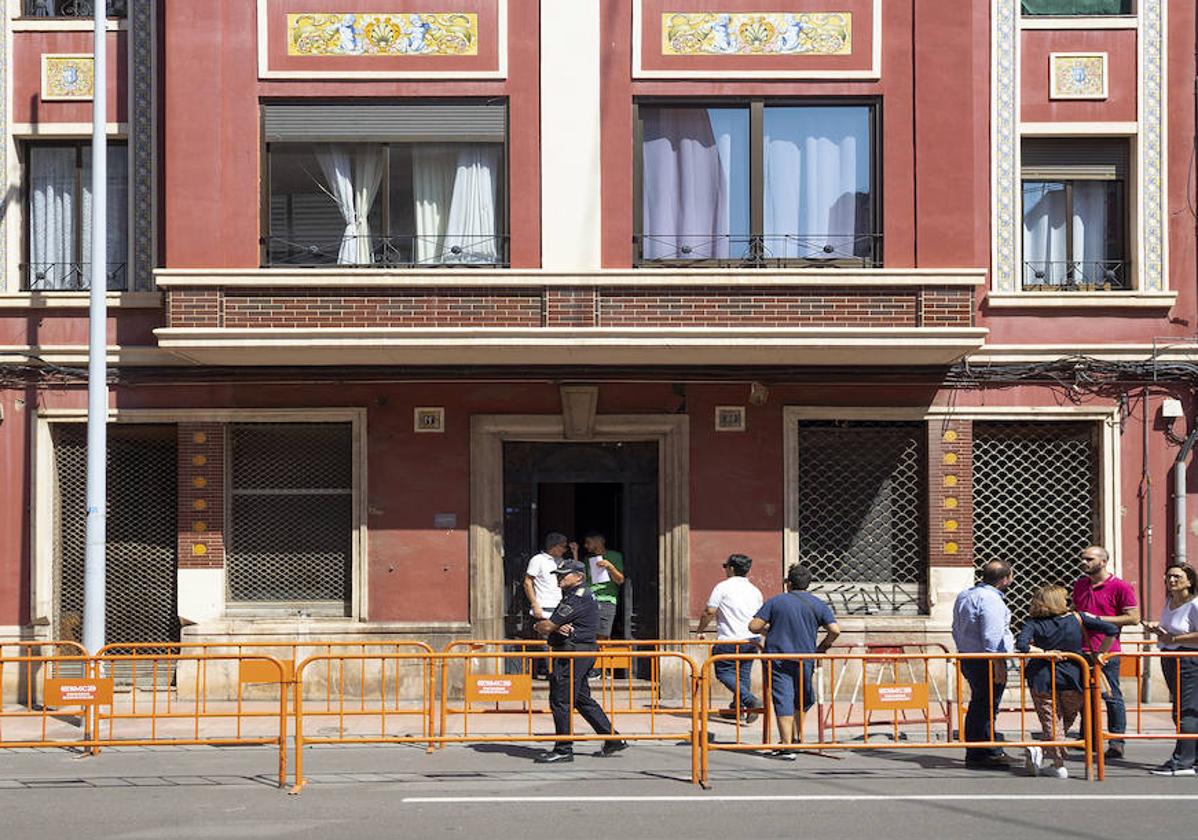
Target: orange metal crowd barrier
{"x": 496, "y": 707}
{"x": 1153, "y": 722}
{"x": 143, "y": 700}
{"x": 940, "y": 705}
{"x": 892, "y": 700}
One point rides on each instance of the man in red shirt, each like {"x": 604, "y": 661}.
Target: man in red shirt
{"x": 1111, "y": 599}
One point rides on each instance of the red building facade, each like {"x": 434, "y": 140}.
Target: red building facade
{"x": 890, "y": 289}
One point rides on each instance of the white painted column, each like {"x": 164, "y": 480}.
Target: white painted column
{"x": 570, "y": 200}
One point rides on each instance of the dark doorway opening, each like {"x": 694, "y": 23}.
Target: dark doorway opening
{"x": 575, "y": 488}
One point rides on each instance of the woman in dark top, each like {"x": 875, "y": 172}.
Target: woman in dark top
{"x": 1052, "y": 627}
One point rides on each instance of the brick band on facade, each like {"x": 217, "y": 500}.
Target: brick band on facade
{"x": 950, "y": 492}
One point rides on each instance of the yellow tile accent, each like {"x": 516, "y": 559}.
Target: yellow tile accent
{"x": 950, "y": 481}
{"x": 950, "y": 436}
{"x": 199, "y": 549}
{"x": 950, "y": 548}
{"x": 199, "y": 482}
{"x": 199, "y": 437}
{"x": 950, "y": 458}
{"x": 951, "y": 525}
{"x": 200, "y": 526}
{"x": 199, "y": 460}
{"x": 950, "y": 502}
{"x": 199, "y": 504}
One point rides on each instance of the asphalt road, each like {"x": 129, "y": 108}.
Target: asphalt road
{"x": 356, "y": 793}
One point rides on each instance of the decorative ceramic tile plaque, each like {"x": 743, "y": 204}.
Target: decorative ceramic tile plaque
{"x": 382, "y": 34}
{"x": 1077, "y": 76}
{"x": 757, "y": 33}
{"x": 68, "y": 77}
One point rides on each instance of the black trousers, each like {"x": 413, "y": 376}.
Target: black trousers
{"x": 984, "y": 699}
{"x": 562, "y": 685}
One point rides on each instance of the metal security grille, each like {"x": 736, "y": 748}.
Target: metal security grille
{"x": 862, "y": 514}
{"x": 291, "y": 514}
{"x": 1035, "y": 501}
{"x": 140, "y": 594}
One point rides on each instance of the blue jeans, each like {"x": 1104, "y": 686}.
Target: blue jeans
{"x": 1181, "y": 675}
{"x": 984, "y": 699}
{"x": 1116, "y": 709}
{"x": 785, "y": 676}
{"x": 726, "y": 672}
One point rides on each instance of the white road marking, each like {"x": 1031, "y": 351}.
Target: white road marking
{"x": 930, "y": 797}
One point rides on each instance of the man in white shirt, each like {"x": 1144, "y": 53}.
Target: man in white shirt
{"x": 733, "y": 602}
{"x": 541, "y": 588}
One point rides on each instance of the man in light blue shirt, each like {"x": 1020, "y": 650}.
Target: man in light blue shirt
{"x": 982, "y": 624}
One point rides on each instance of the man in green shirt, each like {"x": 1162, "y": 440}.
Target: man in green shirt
{"x": 605, "y": 576}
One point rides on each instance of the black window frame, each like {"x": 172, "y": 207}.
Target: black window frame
{"x": 115, "y": 268}
{"x": 1128, "y": 10}
{"x": 756, "y": 106}
{"x": 1117, "y": 274}
{"x": 503, "y": 222}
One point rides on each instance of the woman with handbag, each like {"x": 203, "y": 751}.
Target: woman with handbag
{"x": 1178, "y": 631}
{"x": 1051, "y": 627}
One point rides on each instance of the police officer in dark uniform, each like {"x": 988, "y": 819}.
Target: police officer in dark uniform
{"x": 574, "y": 625}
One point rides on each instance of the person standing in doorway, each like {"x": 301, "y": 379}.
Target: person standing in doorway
{"x": 791, "y": 622}
{"x": 982, "y": 624}
{"x": 733, "y": 603}
{"x": 541, "y": 589}
{"x": 573, "y": 626}
{"x": 1106, "y": 597}
{"x": 605, "y": 576}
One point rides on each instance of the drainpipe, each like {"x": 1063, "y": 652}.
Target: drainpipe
{"x": 1146, "y": 554}
{"x": 1179, "y": 496}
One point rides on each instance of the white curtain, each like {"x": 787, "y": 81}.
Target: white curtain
{"x": 116, "y": 215}
{"x": 52, "y": 218}
{"x": 686, "y": 184}
{"x": 816, "y": 182}
{"x": 352, "y": 175}
{"x": 1044, "y": 234}
{"x": 455, "y": 189}
{"x": 433, "y": 171}
{"x": 1090, "y": 246}
{"x": 470, "y": 231}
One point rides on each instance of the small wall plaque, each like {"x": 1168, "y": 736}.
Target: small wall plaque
{"x": 430, "y": 420}
{"x": 68, "y": 77}
{"x": 1077, "y": 76}
{"x": 729, "y": 418}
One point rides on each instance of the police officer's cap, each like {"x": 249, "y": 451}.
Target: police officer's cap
{"x": 567, "y": 567}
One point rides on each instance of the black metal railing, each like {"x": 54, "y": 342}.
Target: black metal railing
{"x": 449, "y": 251}
{"x": 852, "y": 250}
{"x": 71, "y": 8}
{"x": 69, "y": 277}
{"x": 1075, "y": 276}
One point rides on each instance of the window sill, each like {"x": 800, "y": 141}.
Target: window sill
{"x": 1078, "y": 22}
{"x": 78, "y": 300}
{"x": 1081, "y": 300}
{"x": 65, "y": 24}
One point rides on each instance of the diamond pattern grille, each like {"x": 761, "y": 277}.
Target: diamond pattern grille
{"x": 862, "y": 514}
{"x": 140, "y": 602}
{"x": 1035, "y": 501}
{"x": 291, "y": 512}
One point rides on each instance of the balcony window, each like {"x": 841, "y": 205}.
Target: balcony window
{"x": 1075, "y": 215}
{"x": 58, "y": 192}
{"x": 1078, "y": 7}
{"x": 71, "y": 8}
{"x": 413, "y": 189}
{"x": 757, "y": 184}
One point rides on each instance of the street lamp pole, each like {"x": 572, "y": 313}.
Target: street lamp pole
{"x": 94, "y": 560}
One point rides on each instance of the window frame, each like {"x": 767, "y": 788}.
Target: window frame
{"x": 1068, "y": 176}
{"x": 24, "y": 13}
{"x": 756, "y": 106}
{"x": 1130, "y": 13}
{"x": 503, "y": 205}
{"x": 26, "y": 148}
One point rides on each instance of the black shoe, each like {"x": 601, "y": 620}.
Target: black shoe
{"x": 554, "y": 757}
{"x": 990, "y": 763}
{"x": 1171, "y": 769}
{"x": 1113, "y": 751}
{"x": 613, "y": 747}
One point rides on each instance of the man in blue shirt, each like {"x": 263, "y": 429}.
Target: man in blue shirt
{"x": 982, "y": 624}
{"x": 791, "y": 622}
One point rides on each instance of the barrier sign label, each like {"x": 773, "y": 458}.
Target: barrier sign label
{"x": 265, "y": 671}
{"x": 78, "y": 692}
{"x": 615, "y": 659}
{"x": 907, "y": 696}
{"x": 493, "y": 688}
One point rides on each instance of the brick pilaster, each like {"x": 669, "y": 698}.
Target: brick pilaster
{"x": 201, "y": 528}
{"x": 950, "y": 492}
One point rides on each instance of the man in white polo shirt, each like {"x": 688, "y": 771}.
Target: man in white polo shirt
{"x": 542, "y": 590}
{"x": 733, "y": 602}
